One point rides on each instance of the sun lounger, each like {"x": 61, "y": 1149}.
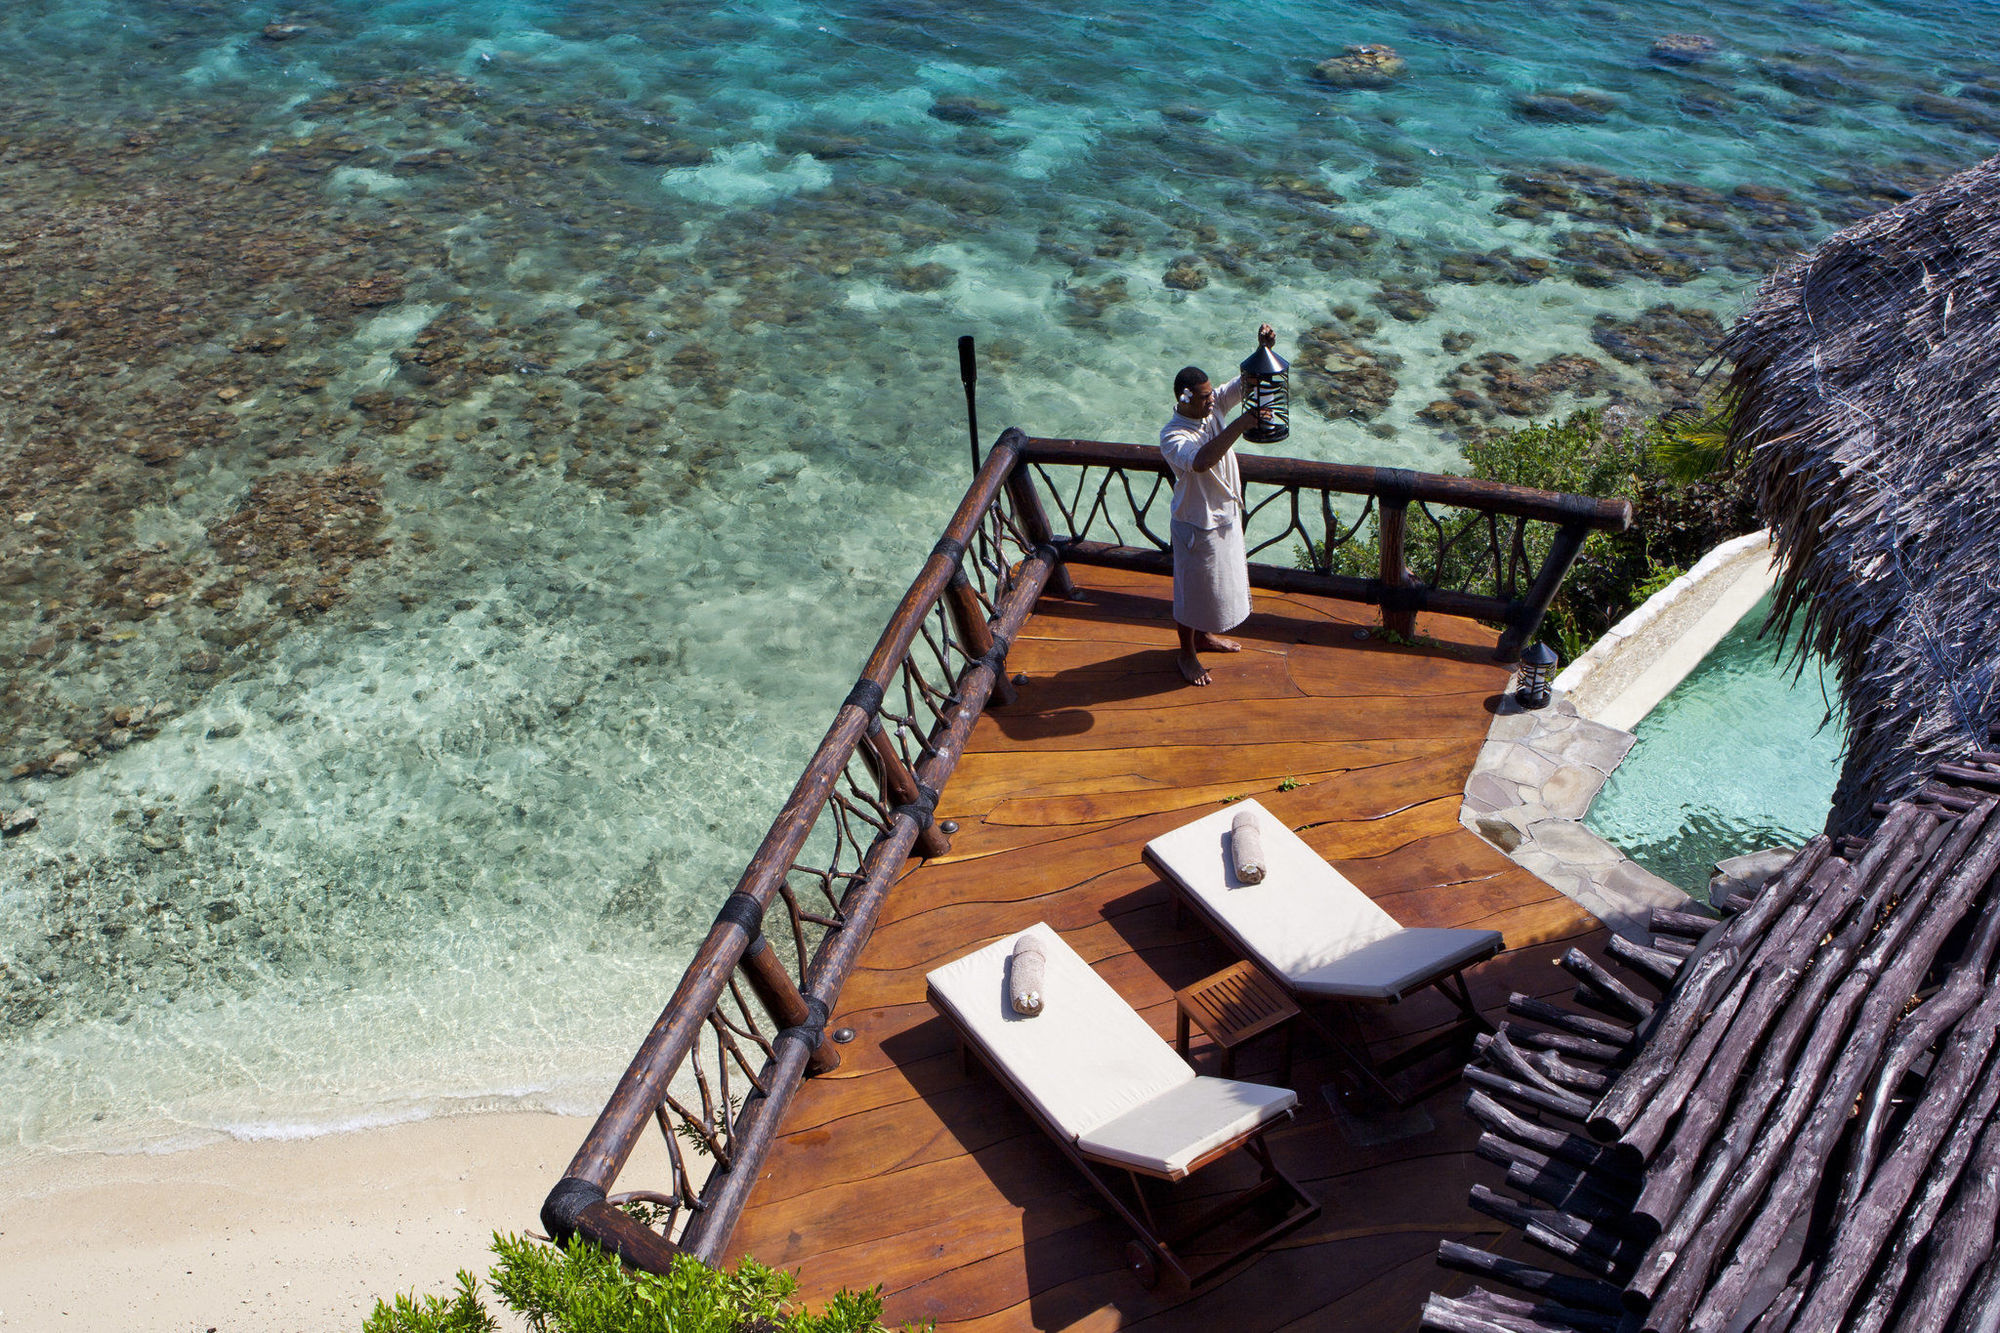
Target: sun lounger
{"x": 1118, "y": 1102}
{"x": 1320, "y": 937}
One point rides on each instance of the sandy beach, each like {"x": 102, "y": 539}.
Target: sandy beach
{"x": 278, "y": 1237}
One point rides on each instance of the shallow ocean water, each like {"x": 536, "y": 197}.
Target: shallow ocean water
{"x": 633, "y": 327}
{"x": 1741, "y": 756}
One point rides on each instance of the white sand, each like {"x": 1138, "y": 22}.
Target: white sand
{"x": 269, "y": 1237}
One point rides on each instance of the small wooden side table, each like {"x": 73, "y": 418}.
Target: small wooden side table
{"x": 1233, "y": 1006}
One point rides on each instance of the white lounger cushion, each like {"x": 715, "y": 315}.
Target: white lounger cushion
{"x": 1306, "y": 923}
{"x": 1174, "y": 1129}
{"x": 1091, "y": 1065}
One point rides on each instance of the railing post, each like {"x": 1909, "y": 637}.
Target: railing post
{"x": 1524, "y": 620}
{"x": 1034, "y": 518}
{"x": 881, "y": 755}
{"x": 772, "y": 981}
{"x": 1399, "y": 612}
{"x": 970, "y": 617}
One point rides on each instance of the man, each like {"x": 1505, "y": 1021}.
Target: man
{"x": 1211, "y": 573}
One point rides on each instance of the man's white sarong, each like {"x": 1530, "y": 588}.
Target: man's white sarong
{"x": 1211, "y": 576}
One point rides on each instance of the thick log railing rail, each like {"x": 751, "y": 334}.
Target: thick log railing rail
{"x": 866, "y": 798}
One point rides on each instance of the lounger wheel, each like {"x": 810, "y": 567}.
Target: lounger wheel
{"x": 1140, "y": 1263}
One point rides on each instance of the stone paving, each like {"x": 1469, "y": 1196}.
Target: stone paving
{"x": 1535, "y": 778}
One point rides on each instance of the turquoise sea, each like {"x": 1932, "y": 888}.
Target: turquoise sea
{"x": 454, "y": 458}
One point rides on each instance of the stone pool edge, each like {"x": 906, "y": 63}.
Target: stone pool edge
{"x": 1539, "y": 770}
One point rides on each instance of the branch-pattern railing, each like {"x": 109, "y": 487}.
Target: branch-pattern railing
{"x": 1482, "y": 549}
{"x": 748, "y": 1020}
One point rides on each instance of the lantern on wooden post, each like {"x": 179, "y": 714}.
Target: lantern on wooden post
{"x": 1267, "y": 394}
{"x": 1538, "y": 671}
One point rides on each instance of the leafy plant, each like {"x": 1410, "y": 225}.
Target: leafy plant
{"x": 462, "y": 1312}
{"x": 1671, "y": 470}
{"x": 580, "y": 1288}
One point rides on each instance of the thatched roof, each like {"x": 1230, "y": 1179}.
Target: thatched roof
{"x": 1868, "y": 385}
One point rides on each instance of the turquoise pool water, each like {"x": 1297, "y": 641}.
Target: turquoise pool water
{"x": 1741, "y": 756}
{"x": 454, "y": 458}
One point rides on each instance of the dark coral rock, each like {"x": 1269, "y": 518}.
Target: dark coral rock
{"x": 1186, "y": 274}
{"x": 1341, "y": 379}
{"x": 967, "y": 111}
{"x": 1579, "y": 107}
{"x": 1682, "y": 48}
{"x": 1368, "y": 65}
{"x": 1408, "y": 304}
{"x": 923, "y": 277}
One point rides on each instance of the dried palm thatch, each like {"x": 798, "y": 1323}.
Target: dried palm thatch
{"x": 1867, "y": 384}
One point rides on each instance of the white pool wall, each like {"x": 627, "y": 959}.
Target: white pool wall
{"x": 1637, "y": 663}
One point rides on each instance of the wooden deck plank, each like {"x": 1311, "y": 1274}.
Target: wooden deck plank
{"x": 904, "y": 1169}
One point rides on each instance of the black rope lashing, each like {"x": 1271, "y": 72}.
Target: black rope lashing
{"x": 812, "y": 1030}
{"x": 866, "y": 695}
{"x": 740, "y": 909}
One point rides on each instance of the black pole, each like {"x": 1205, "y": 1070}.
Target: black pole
{"x": 968, "y": 375}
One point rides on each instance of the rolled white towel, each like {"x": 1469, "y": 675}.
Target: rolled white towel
{"x": 1024, "y": 976}
{"x": 1246, "y": 847}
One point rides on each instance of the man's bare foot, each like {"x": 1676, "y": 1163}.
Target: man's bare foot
{"x": 1191, "y": 667}
{"x": 1208, "y": 643}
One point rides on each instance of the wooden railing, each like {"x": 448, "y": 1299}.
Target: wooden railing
{"x": 718, "y": 1070}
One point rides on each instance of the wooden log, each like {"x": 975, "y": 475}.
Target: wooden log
{"x": 1567, "y": 1189}
{"x": 885, "y": 761}
{"x": 1550, "y": 1141}
{"x": 1661, "y": 966}
{"x": 1642, "y": 1138}
{"x": 1559, "y": 1102}
{"x": 1967, "y": 776}
{"x": 1584, "y": 1048}
{"x": 969, "y": 617}
{"x": 1915, "y": 1034}
{"x": 1688, "y": 925}
{"x": 1789, "y": 1157}
{"x": 1961, "y": 1245}
{"x": 1579, "y": 1235}
{"x": 1527, "y": 1006}
{"x": 1583, "y": 1292}
{"x": 1675, "y": 948}
{"x": 1525, "y": 621}
{"x": 779, "y": 993}
{"x": 1714, "y": 1057}
{"x": 1393, "y": 574}
{"x": 1587, "y": 1082}
{"x": 1914, "y": 1227}
{"x": 1566, "y": 1316}
{"x": 1505, "y": 1058}
{"x": 1449, "y": 1316}
{"x": 1979, "y": 1312}
{"x": 1701, "y": 984}
{"x": 1866, "y": 1220}
{"x": 1028, "y": 508}
{"x": 1685, "y": 1179}
{"x": 1591, "y": 974}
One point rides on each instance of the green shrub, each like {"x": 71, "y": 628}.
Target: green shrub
{"x": 582, "y": 1289}
{"x": 1670, "y": 469}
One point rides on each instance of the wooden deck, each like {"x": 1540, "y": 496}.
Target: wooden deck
{"x": 904, "y": 1170}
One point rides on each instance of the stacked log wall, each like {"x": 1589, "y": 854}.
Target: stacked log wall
{"x": 1782, "y": 1121}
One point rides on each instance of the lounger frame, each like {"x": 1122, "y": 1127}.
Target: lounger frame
{"x": 1364, "y": 1081}
{"x": 1154, "y": 1254}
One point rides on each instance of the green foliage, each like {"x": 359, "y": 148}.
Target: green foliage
{"x": 1692, "y": 447}
{"x": 582, "y": 1289}
{"x": 462, "y": 1312}
{"x": 1670, "y": 469}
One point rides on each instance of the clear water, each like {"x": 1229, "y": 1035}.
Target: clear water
{"x": 657, "y": 374}
{"x": 1741, "y": 756}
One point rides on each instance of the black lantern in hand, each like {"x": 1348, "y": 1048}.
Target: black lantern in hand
{"x": 1267, "y": 396}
